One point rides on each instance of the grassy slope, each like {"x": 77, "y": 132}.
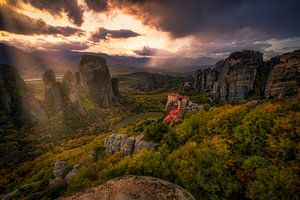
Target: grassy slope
{"x": 229, "y": 152}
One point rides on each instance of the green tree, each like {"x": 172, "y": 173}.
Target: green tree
{"x": 251, "y": 136}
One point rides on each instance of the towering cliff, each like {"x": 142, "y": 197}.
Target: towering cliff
{"x": 53, "y": 92}
{"x": 15, "y": 100}
{"x": 284, "y": 79}
{"x": 245, "y": 75}
{"x": 96, "y": 81}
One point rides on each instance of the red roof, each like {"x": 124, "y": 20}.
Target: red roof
{"x": 173, "y": 116}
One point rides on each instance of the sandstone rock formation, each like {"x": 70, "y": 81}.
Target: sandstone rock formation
{"x": 284, "y": 79}
{"x": 134, "y": 187}
{"x": 53, "y": 92}
{"x": 127, "y": 145}
{"x": 95, "y": 80}
{"x": 15, "y": 100}
{"x": 244, "y": 75}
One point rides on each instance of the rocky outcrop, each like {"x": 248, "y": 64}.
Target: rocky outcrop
{"x": 71, "y": 90}
{"x": 284, "y": 79}
{"x": 95, "y": 80}
{"x": 141, "y": 144}
{"x": 127, "y": 145}
{"x": 244, "y": 75}
{"x": 191, "y": 107}
{"x": 115, "y": 86}
{"x": 205, "y": 81}
{"x": 73, "y": 173}
{"x": 16, "y": 102}
{"x": 134, "y": 187}
{"x": 53, "y": 96}
{"x": 59, "y": 169}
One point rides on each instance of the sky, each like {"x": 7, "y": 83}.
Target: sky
{"x": 152, "y": 28}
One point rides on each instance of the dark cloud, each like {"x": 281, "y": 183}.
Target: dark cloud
{"x": 57, "y": 7}
{"x": 104, "y": 34}
{"x": 16, "y": 22}
{"x": 148, "y": 51}
{"x": 97, "y": 5}
{"x": 218, "y": 18}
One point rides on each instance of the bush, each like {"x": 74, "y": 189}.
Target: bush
{"x": 155, "y": 131}
{"x": 273, "y": 183}
{"x": 252, "y": 134}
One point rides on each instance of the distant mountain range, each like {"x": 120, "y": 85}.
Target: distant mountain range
{"x": 31, "y": 64}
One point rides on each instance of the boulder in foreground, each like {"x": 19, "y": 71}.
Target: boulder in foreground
{"x": 134, "y": 187}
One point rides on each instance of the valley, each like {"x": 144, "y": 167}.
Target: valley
{"x": 233, "y": 132}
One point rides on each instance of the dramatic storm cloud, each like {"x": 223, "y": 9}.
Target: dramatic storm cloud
{"x": 97, "y": 5}
{"x": 104, "y": 34}
{"x": 18, "y": 23}
{"x": 206, "y": 18}
{"x": 57, "y": 7}
{"x": 211, "y": 18}
{"x": 191, "y": 28}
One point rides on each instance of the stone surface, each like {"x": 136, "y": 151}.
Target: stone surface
{"x": 71, "y": 89}
{"x": 127, "y": 145}
{"x": 59, "y": 169}
{"x": 284, "y": 79}
{"x": 134, "y": 187}
{"x": 233, "y": 79}
{"x": 95, "y": 80}
{"x": 73, "y": 173}
{"x": 53, "y": 92}
{"x": 16, "y": 101}
{"x": 205, "y": 80}
{"x": 115, "y": 86}
{"x": 191, "y": 107}
{"x": 244, "y": 75}
{"x": 140, "y": 144}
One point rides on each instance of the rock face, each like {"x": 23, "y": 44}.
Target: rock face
{"x": 135, "y": 187}
{"x": 127, "y": 145}
{"x": 191, "y": 107}
{"x": 115, "y": 86}
{"x": 53, "y": 92}
{"x": 96, "y": 81}
{"x": 15, "y": 100}
{"x": 244, "y": 74}
{"x": 140, "y": 144}
{"x": 233, "y": 79}
{"x": 284, "y": 79}
{"x": 71, "y": 90}
{"x": 59, "y": 169}
{"x": 73, "y": 173}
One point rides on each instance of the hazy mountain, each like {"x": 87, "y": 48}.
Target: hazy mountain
{"x": 35, "y": 63}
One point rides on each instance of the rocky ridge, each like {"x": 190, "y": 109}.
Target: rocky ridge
{"x": 92, "y": 79}
{"x": 96, "y": 81}
{"x": 245, "y": 75}
{"x": 127, "y": 145}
